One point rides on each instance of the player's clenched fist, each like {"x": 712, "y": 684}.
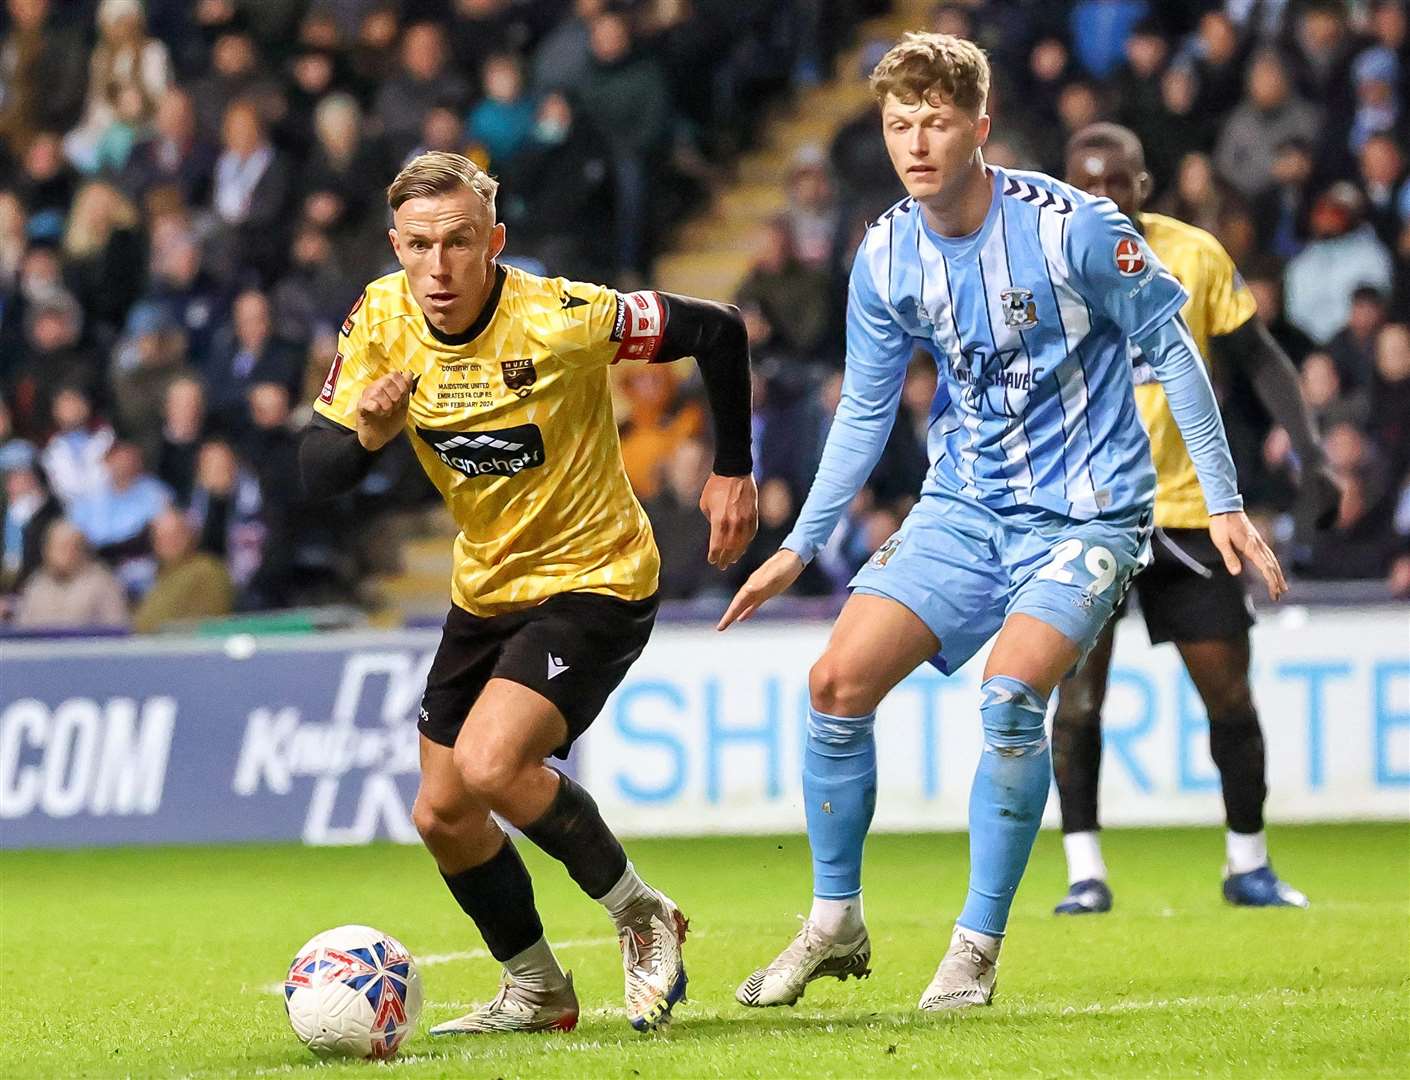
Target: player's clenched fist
{"x": 381, "y": 411}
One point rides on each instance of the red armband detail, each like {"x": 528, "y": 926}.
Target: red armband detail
{"x": 640, "y": 326}
{"x": 330, "y": 384}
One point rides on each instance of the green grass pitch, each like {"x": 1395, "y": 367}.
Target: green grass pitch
{"x": 159, "y": 962}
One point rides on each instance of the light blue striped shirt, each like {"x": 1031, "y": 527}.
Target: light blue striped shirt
{"x": 1029, "y": 320}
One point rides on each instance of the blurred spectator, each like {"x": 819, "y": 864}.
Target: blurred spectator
{"x": 190, "y": 584}
{"x": 316, "y": 292}
{"x": 1198, "y": 195}
{"x": 29, "y": 509}
{"x": 1376, "y": 74}
{"x": 42, "y": 70}
{"x": 1343, "y": 255}
{"x": 73, "y": 457}
{"x": 1389, "y": 421}
{"x": 560, "y": 179}
{"x": 1362, "y": 543}
{"x": 1099, "y": 30}
{"x": 1353, "y": 348}
{"x": 151, "y": 352}
{"x": 503, "y": 119}
{"x": 226, "y": 511}
{"x": 1322, "y": 390}
{"x": 794, "y": 296}
{"x": 563, "y": 58}
{"x": 247, "y": 352}
{"x": 114, "y": 517}
{"x": 629, "y": 100}
{"x": 179, "y": 283}
{"x": 173, "y": 154}
{"x": 1270, "y": 116}
{"x": 1383, "y": 181}
{"x": 103, "y": 254}
{"x": 70, "y": 589}
{"x": 128, "y": 72}
{"x": 659, "y": 422}
{"x": 346, "y": 174}
{"x": 1214, "y": 50}
{"x": 183, "y": 427}
{"x": 1281, "y": 211}
{"x": 53, "y": 355}
{"x": 46, "y": 182}
{"x": 1179, "y": 128}
{"x": 814, "y": 218}
{"x": 424, "y": 80}
{"x": 1137, "y": 86}
{"x": 251, "y": 192}
{"x": 682, "y": 533}
{"x": 481, "y": 28}
{"x": 234, "y": 75}
{"x": 1321, "y": 56}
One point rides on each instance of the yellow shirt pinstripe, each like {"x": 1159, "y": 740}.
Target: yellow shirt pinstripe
{"x": 1219, "y": 303}
{"x": 515, "y": 428}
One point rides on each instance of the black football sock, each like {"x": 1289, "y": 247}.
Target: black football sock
{"x": 1077, "y": 761}
{"x": 1236, "y": 745}
{"x": 573, "y": 832}
{"x": 499, "y": 897}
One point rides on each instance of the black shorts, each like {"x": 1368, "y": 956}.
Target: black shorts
{"x": 574, "y": 649}
{"x": 1186, "y": 593}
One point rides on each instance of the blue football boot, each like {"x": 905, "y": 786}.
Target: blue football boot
{"x": 1261, "y": 888}
{"x": 1090, "y": 897}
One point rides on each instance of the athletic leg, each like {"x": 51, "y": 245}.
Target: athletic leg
{"x": 1219, "y": 670}
{"x": 1077, "y": 757}
{"x": 488, "y": 879}
{"x": 875, "y": 644}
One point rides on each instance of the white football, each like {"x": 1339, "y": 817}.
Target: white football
{"x": 353, "y": 992}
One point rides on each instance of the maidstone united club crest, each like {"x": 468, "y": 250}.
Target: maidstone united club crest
{"x": 519, "y": 375}
{"x": 1020, "y": 311}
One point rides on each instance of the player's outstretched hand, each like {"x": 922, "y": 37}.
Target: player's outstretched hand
{"x": 764, "y": 584}
{"x": 1234, "y": 535}
{"x": 731, "y": 505}
{"x": 381, "y": 411}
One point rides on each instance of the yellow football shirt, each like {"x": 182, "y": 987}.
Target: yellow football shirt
{"x": 1219, "y": 303}
{"x": 512, "y": 421}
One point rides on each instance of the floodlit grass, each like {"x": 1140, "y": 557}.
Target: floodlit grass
{"x": 154, "y": 962}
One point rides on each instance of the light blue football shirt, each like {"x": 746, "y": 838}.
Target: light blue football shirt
{"x": 1029, "y": 320}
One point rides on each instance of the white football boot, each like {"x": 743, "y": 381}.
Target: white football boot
{"x": 809, "y": 956}
{"x": 517, "y": 1009}
{"x": 966, "y": 975}
{"x": 650, "y": 934}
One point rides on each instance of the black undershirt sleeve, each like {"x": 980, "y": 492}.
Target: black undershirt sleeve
{"x": 331, "y": 460}
{"x": 714, "y": 334}
{"x": 1252, "y": 348}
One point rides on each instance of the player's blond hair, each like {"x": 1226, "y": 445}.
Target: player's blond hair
{"x": 931, "y": 68}
{"x": 439, "y": 173}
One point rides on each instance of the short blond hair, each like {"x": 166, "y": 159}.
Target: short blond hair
{"x": 928, "y": 67}
{"x": 439, "y": 173}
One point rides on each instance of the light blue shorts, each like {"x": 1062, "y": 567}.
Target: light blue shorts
{"x": 963, "y": 568}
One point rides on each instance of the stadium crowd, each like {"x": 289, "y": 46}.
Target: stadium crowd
{"x": 191, "y": 199}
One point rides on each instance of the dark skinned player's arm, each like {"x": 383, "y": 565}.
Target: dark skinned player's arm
{"x": 1251, "y": 348}
{"x": 714, "y": 334}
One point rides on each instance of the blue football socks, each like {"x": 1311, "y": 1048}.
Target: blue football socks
{"x": 839, "y": 793}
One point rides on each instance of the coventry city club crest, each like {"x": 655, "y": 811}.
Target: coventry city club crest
{"x": 1019, "y": 309}
{"x": 519, "y": 375}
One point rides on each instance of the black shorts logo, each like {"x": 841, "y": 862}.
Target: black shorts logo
{"x": 519, "y": 375}
{"x": 502, "y": 452}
